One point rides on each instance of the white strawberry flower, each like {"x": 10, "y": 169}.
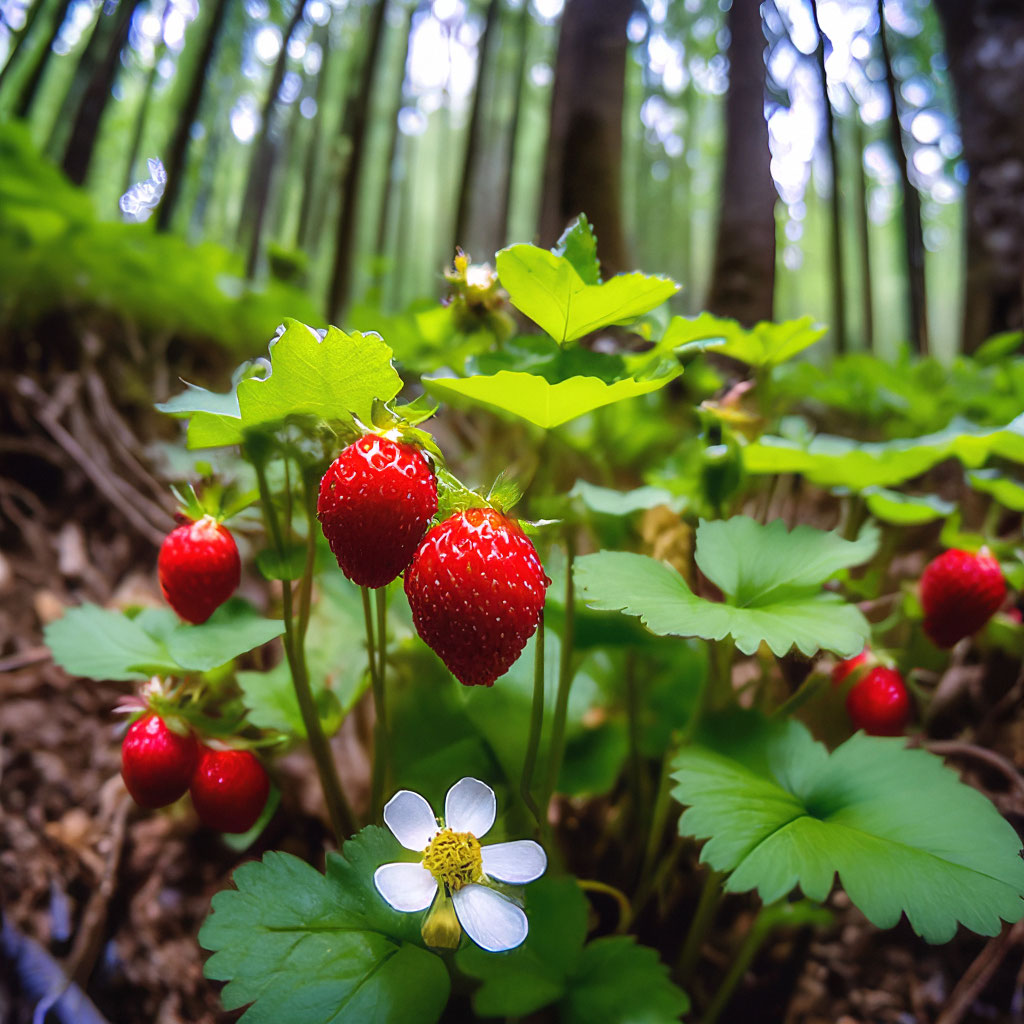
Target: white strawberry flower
{"x": 456, "y": 868}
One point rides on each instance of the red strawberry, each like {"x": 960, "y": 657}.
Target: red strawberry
{"x": 476, "y": 589}
{"x": 376, "y": 500}
{"x": 843, "y": 669}
{"x": 879, "y": 703}
{"x": 199, "y": 568}
{"x": 960, "y": 592}
{"x": 229, "y": 789}
{"x": 156, "y": 762}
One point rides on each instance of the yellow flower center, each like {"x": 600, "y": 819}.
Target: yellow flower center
{"x": 454, "y": 859}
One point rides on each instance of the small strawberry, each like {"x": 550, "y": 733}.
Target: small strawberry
{"x": 842, "y": 669}
{"x": 229, "y": 789}
{"x": 199, "y": 568}
{"x": 376, "y": 499}
{"x": 960, "y": 592}
{"x": 156, "y": 762}
{"x": 879, "y": 703}
{"x": 476, "y": 590}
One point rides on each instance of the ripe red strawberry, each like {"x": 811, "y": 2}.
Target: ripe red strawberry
{"x": 229, "y": 789}
{"x": 879, "y": 703}
{"x": 376, "y": 500}
{"x": 842, "y": 669}
{"x": 156, "y": 762}
{"x": 476, "y": 589}
{"x": 199, "y": 568}
{"x": 960, "y": 592}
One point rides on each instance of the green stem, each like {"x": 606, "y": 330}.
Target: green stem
{"x": 633, "y": 721}
{"x": 536, "y": 724}
{"x": 809, "y": 688}
{"x": 377, "y": 774}
{"x": 306, "y": 586}
{"x": 702, "y": 919}
{"x": 741, "y": 962}
{"x": 564, "y": 676}
{"x": 625, "y": 910}
{"x": 338, "y": 810}
{"x": 380, "y": 696}
{"x": 659, "y": 816}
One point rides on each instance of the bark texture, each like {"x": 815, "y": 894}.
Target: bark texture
{"x": 985, "y": 46}
{"x": 743, "y": 279}
{"x": 583, "y": 168}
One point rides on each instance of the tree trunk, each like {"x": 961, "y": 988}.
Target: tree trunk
{"x": 863, "y": 237}
{"x": 30, "y": 87}
{"x": 471, "y": 158}
{"x": 743, "y": 278}
{"x": 179, "y": 145}
{"x": 913, "y": 235}
{"x": 86, "y": 127}
{"x": 522, "y": 49}
{"x": 583, "y": 168}
{"x": 143, "y": 111}
{"x": 357, "y": 114}
{"x": 21, "y": 37}
{"x": 264, "y": 152}
{"x": 835, "y": 203}
{"x": 311, "y": 164}
{"x": 984, "y": 39}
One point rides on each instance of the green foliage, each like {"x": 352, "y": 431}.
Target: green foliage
{"x": 1003, "y": 489}
{"x": 578, "y": 245}
{"x": 606, "y": 501}
{"x": 311, "y": 948}
{"x": 55, "y": 254}
{"x": 763, "y": 346}
{"x": 532, "y": 398}
{"x": 102, "y": 644}
{"x": 831, "y": 461}
{"x": 334, "y": 378}
{"x": 903, "y": 833}
{"x": 607, "y": 981}
{"x": 772, "y": 581}
{"x": 550, "y": 291}
{"x": 905, "y": 509}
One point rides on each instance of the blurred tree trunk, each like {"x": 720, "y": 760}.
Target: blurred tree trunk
{"x": 684, "y": 212}
{"x": 20, "y": 38}
{"x": 310, "y": 175}
{"x": 863, "y": 236}
{"x": 838, "y": 282}
{"x": 984, "y": 40}
{"x": 265, "y": 152}
{"x": 85, "y": 129}
{"x": 143, "y": 111}
{"x": 354, "y": 126}
{"x": 913, "y": 234}
{"x": 583, "y": 167}
{"x": 471, "y": 157}
{"x": 180, "y": 141}
{"x": 519, "y": 85}
{"x": 743, "y": 278}
{"x": 30, "y": 87}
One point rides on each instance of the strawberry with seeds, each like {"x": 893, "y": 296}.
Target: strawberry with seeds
{"x": 476, "y": 589}
{"x": 199, "y": 568}
{"x": 229, "y": 789}
{"x": 879, "y": 703}
{"x": 960, "y": 592}
{"x": 157, "y": 762}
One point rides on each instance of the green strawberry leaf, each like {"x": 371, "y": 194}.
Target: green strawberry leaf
{"x": 771, "y": 580}
{"x": 905, "y": 509}
{"x": 335, "y": 378}
{"x": 532, "y": 398}
{"x": 550, "y": 291}
{"x": 578, "y": 245}
{"x": 606, "y": 501}
{"x": 1007, "y": 491}
{"x": 607, "y": 981}
{"x": 899, "y": 828}
{"x": 98, "y": 643}
{"x": 831, "y": 461}
{"x": 312, "y": 949}
{"x": 102, "y": 644}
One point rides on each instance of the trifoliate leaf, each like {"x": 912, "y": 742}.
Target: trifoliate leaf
{"x": 532, "y": 398}
{"x": 902, "y": 832}
{"x": 771, "y": 580}
{"x": 578, "y": 245}
{"x": 831, "y": 461}
{"x": 318, "y": 949}
{"x": 550, "y": 291}
{"x": 334, "y": 378}
{"x": 607, "y": 981}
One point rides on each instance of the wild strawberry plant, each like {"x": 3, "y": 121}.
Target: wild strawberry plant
{"x": 609, "y": 674}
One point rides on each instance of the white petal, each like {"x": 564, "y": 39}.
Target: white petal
{"x": 411, "y": 820}
{"x": 491, "y": 921}
{"x": 518, "y": 863}
{"x": 470, "y": 807}
{"x": 405, "y": 886}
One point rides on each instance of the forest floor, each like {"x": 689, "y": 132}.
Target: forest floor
{"x": 95, "y": 890}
